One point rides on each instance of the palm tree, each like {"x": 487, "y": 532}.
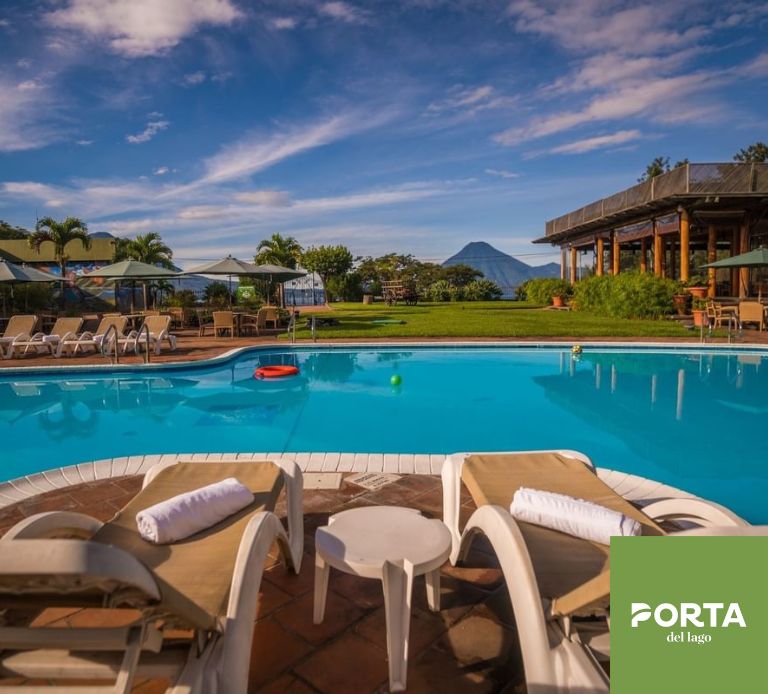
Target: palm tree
{"x": 60, "y": 234}
{"x": 149, "y": 248}
{"x": 278, "y": 250}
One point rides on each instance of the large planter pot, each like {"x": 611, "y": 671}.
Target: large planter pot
{"x": 557, "y": 301}
{"x": 698, "y": 292}
{"x": 698, "y": 317}
{"x": 680, "y": 302}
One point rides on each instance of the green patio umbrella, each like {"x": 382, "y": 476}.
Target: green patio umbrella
{"x": 229, "y": 266}
{"x": 278, "y": 273}
{"x": 756, "y": 258}
{"x": 132, "y": 270}
{"x": 11, "y": 274}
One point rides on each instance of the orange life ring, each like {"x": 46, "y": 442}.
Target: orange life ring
{"x": 276, "y": 371}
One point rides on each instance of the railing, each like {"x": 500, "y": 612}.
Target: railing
{"x": 104, "y": 346}
{"x": 143, "y": 329}
{"x": 698, "y": 179}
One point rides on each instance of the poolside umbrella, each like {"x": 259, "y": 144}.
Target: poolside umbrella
{"x": 10, "y": 273}
{"x": 278, "y": 273}
{"x": 132, "y": 270}
{"x": 756, "y": 258}
{"x": 232, "y": 267}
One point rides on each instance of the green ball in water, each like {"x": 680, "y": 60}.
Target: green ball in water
{"x": 396, "y": 380}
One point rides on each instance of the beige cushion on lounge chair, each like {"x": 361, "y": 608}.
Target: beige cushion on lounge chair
{"x": 195, "y": 574}
{"x": 571, "y": 572}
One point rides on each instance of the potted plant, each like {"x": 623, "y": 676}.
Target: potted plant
{"x": 699, "y": 311}
{"x": 558, "y": 300}
{"x": 681, "y": 300}
{"x": 697, "y": 286}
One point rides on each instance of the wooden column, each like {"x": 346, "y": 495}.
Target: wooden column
{"x": 600, "y": 264}
{"x": 711, "y": 258}
{"x": 685, "y": 242}
{"x": 671, "y": 271}
{"x": 657, "y": 251}
{"x": 734, "y": 270}
{"x": 644, "y": 255}
{"x": 615, "y": 255}
{"x": 563, "y": 264}
{"x": 743, "y": 248}
{"x": 574, "y": 264}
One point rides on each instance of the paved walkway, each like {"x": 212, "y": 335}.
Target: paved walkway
{"x": 469, "y": 646}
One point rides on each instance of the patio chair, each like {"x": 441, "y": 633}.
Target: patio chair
{"x": 158, "y": 327}
{"x": 752, "y": 312}
{"x": 63, "y": 329}
{"x": 268, "y": 318}
{"x": 223, "y": 321}
{"x": 94, "y": 339}
{"x": 559, "y": 585}
{"x": 178, "y": 317}
{"x": 718, "y": 315}
{"x": 185, "y": 611}
{"x": 19, "y": 329}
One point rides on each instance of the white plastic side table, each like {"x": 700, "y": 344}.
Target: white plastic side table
{"x": 391, "y": 544}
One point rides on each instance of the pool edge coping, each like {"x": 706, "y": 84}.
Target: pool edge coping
{"x": 27, "y": 487}
{"x": 235, "y": 352}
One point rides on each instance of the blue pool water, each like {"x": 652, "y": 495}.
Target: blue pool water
{"x": 693, "y": 420}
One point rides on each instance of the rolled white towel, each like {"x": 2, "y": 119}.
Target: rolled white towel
{"x": 186, "y": 514}
{"x": 570, "y": 515}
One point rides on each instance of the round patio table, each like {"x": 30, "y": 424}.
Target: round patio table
{"x": 393, "y": 545}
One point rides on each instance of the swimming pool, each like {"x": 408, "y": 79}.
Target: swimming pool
{"x": 695, "y": 420}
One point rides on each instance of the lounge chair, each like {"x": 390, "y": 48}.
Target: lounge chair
{"x": 206, "y": 585}
{"x": 95, "y": 339}
{"x": 158, "y": 327}
{"x": 752, "y": 312}
{"x": 554, "y": 580}
{"x": 63, "y": 329}
{"x": 19, "y": 329}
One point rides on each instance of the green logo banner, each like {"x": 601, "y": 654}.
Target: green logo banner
{"x": 689, "y": 614}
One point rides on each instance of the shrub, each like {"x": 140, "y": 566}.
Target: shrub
{"x": 348, "y": 287}
{"x": 185, "y": 298}
{"x": 439, "y": 291}
{"x": 626, "y": 295}
{"x": 482, "y": 290}
{"x": 541, "y": 289}
{"x": 217, "y": 295}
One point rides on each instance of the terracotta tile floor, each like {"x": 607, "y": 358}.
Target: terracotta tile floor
{"x": 469, "y": 646}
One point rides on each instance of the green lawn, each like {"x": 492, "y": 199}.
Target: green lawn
{"x": 482, "y": 319}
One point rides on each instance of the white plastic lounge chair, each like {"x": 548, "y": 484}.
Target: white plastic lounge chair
{"x": 554, "y": 580}
{"x": 19, "y": 329}
{"x": 207, "y": 585}
{"x": 94, "y": 340}
{"x": 63, "y": 329}
{"x": 159, "y": 330}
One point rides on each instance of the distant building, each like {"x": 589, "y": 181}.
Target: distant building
{"x": 671, "y": 225}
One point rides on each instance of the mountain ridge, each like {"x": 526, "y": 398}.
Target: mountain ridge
{"x": 499, "y": 267}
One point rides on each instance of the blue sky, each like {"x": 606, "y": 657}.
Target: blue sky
{"x": 387, "y": 125}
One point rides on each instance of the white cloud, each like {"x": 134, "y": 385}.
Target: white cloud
{"x": 83, "y": 143}
{"x": 256, "y": 152}
{"x": 502, "y": 173}
{"x": 161, "y": 171}
{"x": 153, "y": 127}
{"x": 342, "y": 11}
{"x": 137, "y": 28}
{"x": 283, "y": 23}
{"x": 29, "y": 85}
{"x": 470, "y": 100}
{"x": 23, "y": 63}
{"x": 26, "y": 117}
{"x": 599, "y": 142}
{"x": 194, "y": 78}
{"x": 267, "y": 198}
{"x": 49, "y": 195}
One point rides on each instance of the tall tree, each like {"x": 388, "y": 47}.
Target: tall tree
{"x": 328, "y": 261}
{"x": 278, "y": 250}
{"x": 149, "y": 248}
{"x": 11, "y": 232}
{"x": 657, "y": 167}
{"x": 757, "y": 153}
{"x": 48, "y": 230}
